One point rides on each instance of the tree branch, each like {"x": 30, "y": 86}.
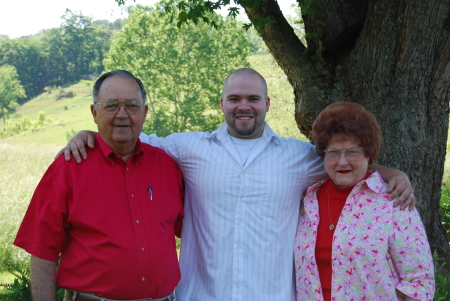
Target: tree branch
{"x": 283, "y": 43}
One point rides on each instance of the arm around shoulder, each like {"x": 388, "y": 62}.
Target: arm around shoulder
{"x": 399, "y": 186}
{"x": 77, "y": 145}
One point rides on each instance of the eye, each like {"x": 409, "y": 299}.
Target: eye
{"x": 333, "y": 154}
{"x": 132, "y": 105}
{"x": 254, "y": 99}
{"x": 111, "y": 105}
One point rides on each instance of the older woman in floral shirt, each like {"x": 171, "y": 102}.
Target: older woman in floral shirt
{"x": 351, "y": 243}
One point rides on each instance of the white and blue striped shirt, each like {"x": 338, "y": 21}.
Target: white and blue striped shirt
{"x": 240, "y": 221}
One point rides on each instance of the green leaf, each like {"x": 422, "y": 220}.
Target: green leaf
{"x": 319, "y": 22}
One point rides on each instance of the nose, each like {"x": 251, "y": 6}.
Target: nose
{"x": 122, "y": 113}
{"x": 342, "y": 159}
{"x": 244, "y": 105}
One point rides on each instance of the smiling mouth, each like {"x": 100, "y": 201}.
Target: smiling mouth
{"x": 343, "y": 171}
{"x": 244, "y": 117}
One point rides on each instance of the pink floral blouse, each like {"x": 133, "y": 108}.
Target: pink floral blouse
{"x": 378, "y": 253}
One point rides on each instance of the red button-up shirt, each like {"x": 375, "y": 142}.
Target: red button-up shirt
{"x": 113, "y": 223}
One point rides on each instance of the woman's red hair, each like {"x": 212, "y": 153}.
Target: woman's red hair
{"x": 346, "y": 120}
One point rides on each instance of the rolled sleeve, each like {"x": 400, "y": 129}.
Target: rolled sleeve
{"x": 411, "y": 255}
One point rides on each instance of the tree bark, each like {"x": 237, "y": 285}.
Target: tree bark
{"x": 393, "y": 57}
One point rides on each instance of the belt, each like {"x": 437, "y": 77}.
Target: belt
{"x": 70, "y": 295}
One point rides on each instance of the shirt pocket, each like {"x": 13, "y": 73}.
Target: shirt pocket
{"x": 269, "y": 201}
{"x": 165, "y": 207}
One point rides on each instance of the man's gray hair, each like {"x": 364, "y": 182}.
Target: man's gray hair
{"x": 122, "y": 73}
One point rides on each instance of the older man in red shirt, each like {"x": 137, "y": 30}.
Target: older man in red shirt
{"x": 112, "y": 220}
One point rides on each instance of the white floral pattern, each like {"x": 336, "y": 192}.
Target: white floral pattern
{"x": 378, "y": 253}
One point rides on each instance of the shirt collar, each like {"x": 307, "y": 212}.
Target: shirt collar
{"x": 375, "y": 182}
{"x": 108, "y": 153}
{"x": 222, "y": 133}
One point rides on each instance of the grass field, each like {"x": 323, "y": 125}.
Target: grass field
{"x": 21, "y": 168}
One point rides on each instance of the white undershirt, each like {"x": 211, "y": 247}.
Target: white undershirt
{"x": 244, "y": 147}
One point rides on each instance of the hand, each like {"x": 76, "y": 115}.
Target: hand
{"x": 399, "y": 187}
{"x": 77, "y": 145}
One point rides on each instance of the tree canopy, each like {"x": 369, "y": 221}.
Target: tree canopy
{"x": 10, "y": 90}
{"x": 182, "y": 68}
{"x": 61, "y": 55}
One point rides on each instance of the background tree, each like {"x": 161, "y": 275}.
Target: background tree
{"x": 182, "y": 68}
{"x": 58, "y": 56}
{"x": 3, "y": 37}
{"x": 75, "y": 49}
{"x": 391, "y": 56}
{"x": 10, "y": 90}
{"x": 27, "y": 56}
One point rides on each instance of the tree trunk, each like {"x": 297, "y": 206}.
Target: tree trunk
{"x": 393, "y": 58}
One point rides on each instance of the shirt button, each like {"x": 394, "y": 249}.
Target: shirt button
{"x": 137, "y": 221}
{"x": 142, "y": 249}
{"x": 127, "y": 169}
{"x": 143, "y": 279}
{"x": 132, "y": 195}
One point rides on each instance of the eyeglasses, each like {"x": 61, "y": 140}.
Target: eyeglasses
{"x": 112, "y": 107}
{"x": 351, "y": 154}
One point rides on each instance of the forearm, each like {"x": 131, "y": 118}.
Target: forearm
{"x": 386, "y": 173}
{"x": 43, "y": 279}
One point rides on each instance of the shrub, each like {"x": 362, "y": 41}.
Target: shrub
{"x": 63, "y": 94}
{"x": 442, "y": 283}
{"x": 445, "y": 207}
{"x": 13, "y": 127}
{"x": 20, "y": 289}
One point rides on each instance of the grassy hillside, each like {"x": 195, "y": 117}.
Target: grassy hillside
{"x": 69, "y": 109}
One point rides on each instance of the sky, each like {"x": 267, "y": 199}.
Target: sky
{"x": 27, "y": 17}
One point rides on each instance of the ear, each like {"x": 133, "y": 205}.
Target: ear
{"x": 94, "y": 113}
{"x": 145, "y": 111}
{"x": 221, "y": 104}
{"x": 267, "y": 104}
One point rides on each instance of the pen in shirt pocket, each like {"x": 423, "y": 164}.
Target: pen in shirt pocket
{"x": 150, "y": 192}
